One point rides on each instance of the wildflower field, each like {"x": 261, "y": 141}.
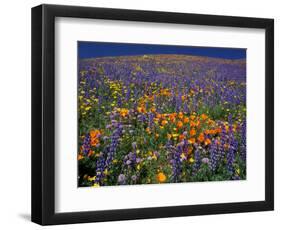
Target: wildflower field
{"x": 151, "y": 119}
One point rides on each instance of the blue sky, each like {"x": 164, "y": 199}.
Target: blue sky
{"x": 105, "y": 49}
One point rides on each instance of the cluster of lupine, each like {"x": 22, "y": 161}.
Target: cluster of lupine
{"x": 161, "y": 119}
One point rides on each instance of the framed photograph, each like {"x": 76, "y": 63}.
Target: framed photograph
{"x": 141, "y": 114}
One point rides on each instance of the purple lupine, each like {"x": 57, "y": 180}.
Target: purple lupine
{"x": 176, "y": 163}
{"x": 243, "y": 146}
{"x": 128, "y": 94}
{"x": 119, "y": 102}
{"x": 223, "y": 142}
{"x": 150, "y": 119}
{"x": 116, "y": 134}
{"x": 230, "y": 157}
{"x": 100, "y": 167}
{"x": 197, "y": 159}
{"x": 214, "y": 156}
{"x": 86, "y": 144}
{"x": 178, "y": 102}
{"x": 185, "y": 108}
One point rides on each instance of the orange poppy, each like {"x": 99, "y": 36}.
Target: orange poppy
{"x": 204, "y": 116}
{"x": 94, "y": 134}
{"x": 148, "y": 130}
{"x": 158, "y": 115}
{"x": 161, "y": 177}
{"x": 141, "y": 109}
{"x": 201, "y": 137}
{"x": 153, "y": 109}
{"x": 164, "y": 122}
{"x": 207, "y": 141}
{"x": 192, "y": 117}
{"x": 218, "y": 130}
{"x": 180, "y": 115}
{"x": 192, "y": 124}
{"x": 80, "y": 157}
{"x": 124, "y": 112}
{"x": 179, "y": 124}
{"x": 91, "y": 152}
{"x": 192, "y": 132}
{"x": 191, "y": 140}
{"x": 181, "y": 137}
{"x": 172, "y": 117}
{"x": 185, "y": 120}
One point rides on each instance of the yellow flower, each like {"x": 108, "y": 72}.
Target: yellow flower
{"x": 161, "y": 177}
{"x": 154, "y": 157}
{"x": 226, "y": 128}
{"x": 105, "y": 172}
{"x": 182, "y": 156}
{"x": 238, "y": 171}
{"x": 88, "y": 108}
{"x": 191, "y": 160}
{"x": 91, "y": 178}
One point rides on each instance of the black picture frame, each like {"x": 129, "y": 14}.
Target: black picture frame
{"x": 43, "y": 114}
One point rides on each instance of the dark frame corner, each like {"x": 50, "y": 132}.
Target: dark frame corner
{"x": 43, "y": 98}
